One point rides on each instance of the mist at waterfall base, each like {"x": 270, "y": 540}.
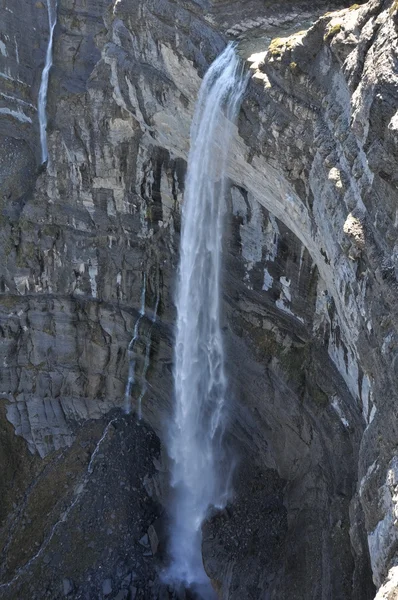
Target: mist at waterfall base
{"x": 199, "y": 474}
{"x": 42, "y": 100}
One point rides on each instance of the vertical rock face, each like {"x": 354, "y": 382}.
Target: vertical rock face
{"x": 309, "y": 289}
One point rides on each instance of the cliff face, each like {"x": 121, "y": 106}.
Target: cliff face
{"x": 308, "y": 291}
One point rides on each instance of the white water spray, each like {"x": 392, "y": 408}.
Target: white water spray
{"x": 200, "y": 382}
{"x": 130, "y": 350}
{"x": 42, "y": 102}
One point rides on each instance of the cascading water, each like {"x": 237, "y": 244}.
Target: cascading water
{"x": 200, "y": 382}
{"x": 42, "y": 102}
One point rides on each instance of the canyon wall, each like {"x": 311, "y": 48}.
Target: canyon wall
{"x": 309, "y": 286}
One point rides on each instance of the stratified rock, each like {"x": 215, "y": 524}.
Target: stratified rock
{"x": 309, "y": 293}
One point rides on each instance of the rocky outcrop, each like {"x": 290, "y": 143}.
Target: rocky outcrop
{"x": 71, "y": 534}
{"x": 309, "y": 295}
{"x": 336, "y": 74}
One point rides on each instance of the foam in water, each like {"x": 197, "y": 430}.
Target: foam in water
{"x": 200, "y": 381}
{"x": 42, "y": 102}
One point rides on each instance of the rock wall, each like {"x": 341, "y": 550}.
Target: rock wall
{"x": 308, "y": 293}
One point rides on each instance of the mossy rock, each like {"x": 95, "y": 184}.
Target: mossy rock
{"x": 8, "y": 301}
{"x": 279, "y": 46}
{"x": 28, "y": 254}
{"x": 331, "y": 32}
{"x": 276, "y": 47}
{"x": 394, "y": 8}
{"x": 318, "y": 396}
{"x": 293, "y": 362}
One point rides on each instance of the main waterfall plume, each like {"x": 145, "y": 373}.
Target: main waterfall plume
{"x": 200, "y": 381}
{"x": 42, "y": 102}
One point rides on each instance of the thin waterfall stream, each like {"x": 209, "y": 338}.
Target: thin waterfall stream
{"x": 200, "y": 380}
{"x": 130, "y": 350}
{"x": 42, "y": 100}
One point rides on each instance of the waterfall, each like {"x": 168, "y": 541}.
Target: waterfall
{"x": 130, "y": 350}
{"x": 200, "y": 381}
{"x": 42, "y": 102}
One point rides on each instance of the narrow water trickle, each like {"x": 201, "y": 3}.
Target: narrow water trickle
{"x": 200, "y": 381}
{"x": 148, "y": 344}
{"x": 42, "y": 101}
{"x": 130, "y": 350}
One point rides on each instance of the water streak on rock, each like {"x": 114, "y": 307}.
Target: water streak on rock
{"x": 147, "y": 358}
{"x": 130, "y": 350}
{"x": 42, "y": 102}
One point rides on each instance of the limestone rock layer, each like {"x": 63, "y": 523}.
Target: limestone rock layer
{"x": 309, "y": 296}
